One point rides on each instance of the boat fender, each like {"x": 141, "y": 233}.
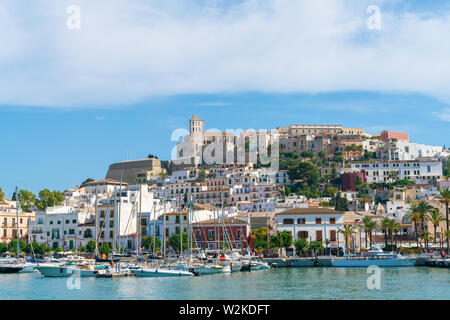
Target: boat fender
{"x": 316, "y": 263}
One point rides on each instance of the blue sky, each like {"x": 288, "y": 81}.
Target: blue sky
{"x": 74, "y": 101}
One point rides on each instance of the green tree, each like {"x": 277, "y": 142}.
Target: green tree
{"x": 59, "y": 249}
{"x": 27, "y": 200}
{"x": 423, "y": 208}
{"x": 301, "y": 245}
{"x": 23, "y": 247}
{"x": 3, "y": 248}
{"x": 174, "y": 242}
{"x": 149, "y": 241}
{"x": 201, "y": 175}
{"x": 317, "y": 246}
{"x": 393, "y": 226}
{"x": 384, "y": 225}
{"x": 260, "y": 238}
{"x": 87, "y": 181}
{"x": 2, "y": 196}
{"x": 341, "y": 203}
{"x": 105, "y": 249}
{"x": 152, "y": 156}
{"x": 331, "y": 191}
{"x": 48, "y": 198}
{"x": 347, "y": 231}
{"x": 435, "y": 217}
{"x": 413, "y": 216}
{"x": 444, "y": 199}
{"x": 369, "y": 226}
{"x": 90, "y": 246}
{"x": 286, "y": 238}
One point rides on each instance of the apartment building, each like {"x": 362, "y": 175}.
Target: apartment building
{"x": 10, "y": 223}
{"x": 58, "y": 226}
{"x": 419, "y": 170}
{"x": 313, "y": 224}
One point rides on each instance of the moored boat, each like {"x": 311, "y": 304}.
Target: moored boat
{"x": 159, "y": 272}
{"x": 375, "y": 256}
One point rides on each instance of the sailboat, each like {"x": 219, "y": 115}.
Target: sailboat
{"x": 13, "y": 266}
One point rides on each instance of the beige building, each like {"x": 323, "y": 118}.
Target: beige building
{"x": 8, "y": 222}
{"x": 131, "y": 169}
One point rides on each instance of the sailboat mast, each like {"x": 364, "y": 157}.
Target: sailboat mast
{"x": 139, "y": 235}
{"x": 96, "y": 224}
{"x": 181, "y": 226}
{"x": 17, "y": 214}
{"x": 164, "y": 231}
{"x": 120, "y": 206}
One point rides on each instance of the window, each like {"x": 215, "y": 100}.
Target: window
{"x": 333, "y": 235}
{"x": 332, "y": 220}
{"x": 74, "y": 221}
{"x": 301, "y": 221}
{"x": 318, "y": 221}
{"x": 71, "y": 231}
{"x": 111, "y": 234}
{"x": 288, "y": 221}
{"x": 67, "y": 221}
{"x": 211, "y": 234}
{"x": 239, "y": 233}
{"x": 318, "y": 235}
{"x": 303, "y": 234}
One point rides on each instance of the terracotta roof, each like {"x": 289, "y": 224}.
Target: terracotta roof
{"x": 111, "y": 181}
{"x": 310, "y": 211}
{"x": 227, "y": 221}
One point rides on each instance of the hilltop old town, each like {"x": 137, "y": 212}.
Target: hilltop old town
{"x": 288, "y": 192}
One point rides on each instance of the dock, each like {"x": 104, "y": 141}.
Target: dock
{"x": 298, "y": 262}
{"x": 115, "y": 275}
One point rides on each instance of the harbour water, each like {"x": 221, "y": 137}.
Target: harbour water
{"x": 285, "y": 284}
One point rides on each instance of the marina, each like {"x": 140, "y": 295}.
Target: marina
{"x": 276, "y": 283}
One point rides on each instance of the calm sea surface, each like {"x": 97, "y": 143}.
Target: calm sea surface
{"x": 288, "y": 283}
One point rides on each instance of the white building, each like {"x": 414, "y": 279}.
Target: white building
{"x": 404, "y": 150}
{"x": 313, "y": 224}
{"x": 58, "y": 227}
{"x": 419, "y": 170}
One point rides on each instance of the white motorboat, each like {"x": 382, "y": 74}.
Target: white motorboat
{"x": 67, "y": 270}
{"x": 259, "y": 265}
{"x": 28, "y": 267}
{"x": 375, "y": 256}
{"x": 160, "y": 272}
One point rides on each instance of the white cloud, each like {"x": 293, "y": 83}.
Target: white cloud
{"x": 129, "y": 50}
{"x": 444, "y": 115}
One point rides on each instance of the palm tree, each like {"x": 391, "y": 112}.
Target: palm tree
{"x": 423, "y": 208}
{"x": 369, "y": 226}
{"x": 435, "y": 217}
{"x": 444, "y": 198}
{"x": 347, "y": 232}
{"x": 384, "y": 225}
{"x": 447, "y": 236}
{"x": 363, "y": 200}
{"x": 426, "y": 238}
{"x": 413, "y": 216}
{"x": 392, "y": 226}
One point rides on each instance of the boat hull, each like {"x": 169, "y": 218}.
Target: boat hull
{"x": 63, "y": 272}
{"x": 153, "y": 273}
{"x": 374, "y": 262}
{"x": 10, "y": 269}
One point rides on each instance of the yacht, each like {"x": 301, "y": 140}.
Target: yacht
{"x": 161, "y": 272}
{"x": 375, "y": 256}
{"x": 85, "y": 269}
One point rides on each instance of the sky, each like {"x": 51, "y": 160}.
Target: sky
{"x": 73, "y": 101}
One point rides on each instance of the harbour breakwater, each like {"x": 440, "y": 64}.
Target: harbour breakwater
{"x": 326, "y": 262}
